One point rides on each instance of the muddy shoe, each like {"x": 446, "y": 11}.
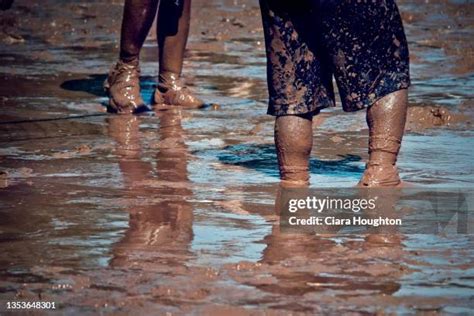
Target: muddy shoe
{"x": 123, "y": 88}
{"x": 376, "y": 175}
{"x": 171, "y": 91}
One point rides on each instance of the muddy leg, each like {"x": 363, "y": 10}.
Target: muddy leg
{"x": 173, "y": 30}
{"x": 123, "y": 82}
{"x": 138, "y": 16}
{"x": 294, "y": 140}
{"x": 386, "y": 120}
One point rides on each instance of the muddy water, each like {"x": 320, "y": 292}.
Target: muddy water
{"x": 175, "y": 211}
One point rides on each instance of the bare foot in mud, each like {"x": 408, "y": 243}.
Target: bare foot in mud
{"x": 381, "y": 177}
{"x": 171, "y": 91}
{"x": 400, "y": 185}
{"x": 123, "y": 88}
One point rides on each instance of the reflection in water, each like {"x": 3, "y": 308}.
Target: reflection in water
{"x": 160, "y": 224}
{"x": 348, "y": 265}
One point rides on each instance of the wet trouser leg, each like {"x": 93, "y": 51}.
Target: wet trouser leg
{"x": 386, "y": 120}
{"x": 294, "y": 140}
{"x": 172, "y": 29}
{"x": 138, "y": 16}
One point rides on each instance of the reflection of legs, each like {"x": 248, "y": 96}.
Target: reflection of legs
{"x": 125, "y": 130}
{"x": 294, "y": 140}
{"x": 386, "y": 121}
{"x": 172, "y": 156}
{"x": 161, "y": 218}
{"x": 173, "y": 29}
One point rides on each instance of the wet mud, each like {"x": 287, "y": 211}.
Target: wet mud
{"x": 175, "y": 212}
{"x": 425, "y": 117}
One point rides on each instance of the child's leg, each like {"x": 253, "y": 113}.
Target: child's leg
{"x": 138, "y": 16}
{"x": 173, "y": 29}
{"x": 386, "y": 120}
{"x": 299, "y": 83}
{"x": 293, "y": 141}
{"x": 123, "y": 82}
{"x": 370, "y": 58}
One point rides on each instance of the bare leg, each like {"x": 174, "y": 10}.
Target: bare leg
{"x": 294, "y": 140}
{"x": 123, "y": 82}
{"x": 386, "y": 120}
{"x": 138, "y": 16}
{"x": 173, "y": 30}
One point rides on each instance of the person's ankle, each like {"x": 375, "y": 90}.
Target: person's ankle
{"x": 168, "y": 78}
{"x": 294, "y": 175}
{"x": 130, "y": 61}
{"x": 382, "y": 158}
{"x": 294, "y": 183}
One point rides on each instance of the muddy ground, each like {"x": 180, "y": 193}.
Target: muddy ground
{"x": 174, "y": 212}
